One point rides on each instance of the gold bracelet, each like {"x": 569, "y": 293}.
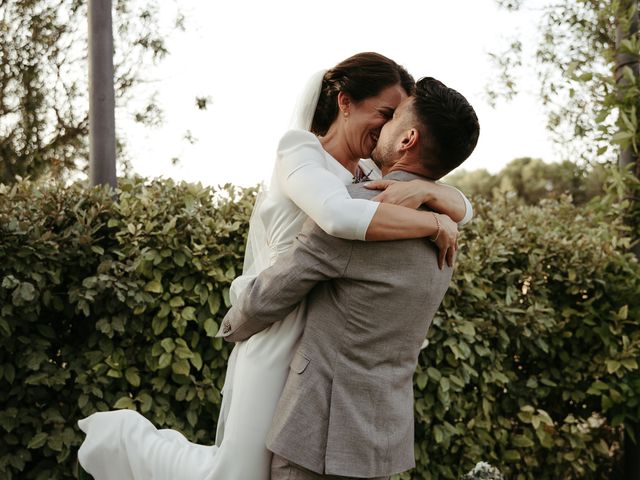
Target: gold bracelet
{"x": 438, "y": 226}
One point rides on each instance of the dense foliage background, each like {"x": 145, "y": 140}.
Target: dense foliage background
{"x": 111, "y": 301}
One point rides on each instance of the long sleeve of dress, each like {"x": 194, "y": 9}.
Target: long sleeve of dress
{"x": 468, "y": 214}
{"x": 305, "y": 177}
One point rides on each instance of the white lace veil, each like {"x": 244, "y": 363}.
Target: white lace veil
{"x": 257, "y": 255}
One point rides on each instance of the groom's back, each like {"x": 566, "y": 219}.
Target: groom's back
{"x": 347, "y": 408}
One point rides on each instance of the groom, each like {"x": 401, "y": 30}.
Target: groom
{"x": 347, "y": 407}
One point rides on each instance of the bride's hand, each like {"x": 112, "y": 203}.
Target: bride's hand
{"x": 410, "y": 194}
{"x": 446, "y": 239}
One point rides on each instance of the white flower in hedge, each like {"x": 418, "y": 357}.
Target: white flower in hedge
{"x": 483, "y": 471}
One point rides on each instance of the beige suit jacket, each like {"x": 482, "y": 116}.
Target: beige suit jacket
{"x": 347, "y": 406}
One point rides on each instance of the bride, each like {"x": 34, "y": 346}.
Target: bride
{"x": 336, "y": 124}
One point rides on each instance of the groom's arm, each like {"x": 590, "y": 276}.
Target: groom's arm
{"x": 272, "y": 295}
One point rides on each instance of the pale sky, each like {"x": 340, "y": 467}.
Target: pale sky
{"x": 252, "y": 57}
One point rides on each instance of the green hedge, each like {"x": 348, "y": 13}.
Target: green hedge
{"x": 533, "y": 358}
{"x": 532, "y": 364}
{"x": 111, "y": 305}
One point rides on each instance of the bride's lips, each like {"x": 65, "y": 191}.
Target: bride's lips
{"x": 374, "y": 136}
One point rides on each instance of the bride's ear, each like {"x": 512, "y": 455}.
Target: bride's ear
{"x": 344, "y": 103}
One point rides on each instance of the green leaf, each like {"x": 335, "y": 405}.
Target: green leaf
{"x": 97, "y": 249}
{"x": 225, "y": 297}
{"x": 545, "y": 417}
{"x": 596, "y": 387}
{"x": 38, "y": 440}
{"x": 132, "y": 376}
{"x": 158, "y": 325}
{"x": 214, "y": 303}
{"x": 124, "y": 402}
{"x": 444, "y": 384}
{"x": 164, "y": 360}
{"x": 623, "y": 313}
{"x": 438, "y": 434}
{"x": 612, "y": 366}
{"x": 512, "y": 456}
{"x": 154, "y": 286}
{"x": 176, "y": 302}
{"x": 9, "y": 372}
{"x": 179, "y": 258}
{"x": 192, "y": 418}
{"x": 522, "y": 441}
{"x": 168, "y": 344}
{"x": 196, "y": 360}
{"x": 83, "y": 399}
{"x": 421, "y": 380}
{"x": 5, "y": 329}
{"x": 210, "y": 327}
{"x": 434, "y": 374}
{"x": 188, "y": 313}
{"x": 146, "y": 402}
{"x": 180, "y": 367}
{"x": 164, "y": 311}
{"x": 467, "y": 328}
{"x": 24, "y": 293}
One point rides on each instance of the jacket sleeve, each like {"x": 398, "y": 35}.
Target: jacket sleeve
{"x": 274, "y": 293}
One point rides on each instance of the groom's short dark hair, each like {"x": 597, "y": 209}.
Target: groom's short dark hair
{"x": 450, "y": 126}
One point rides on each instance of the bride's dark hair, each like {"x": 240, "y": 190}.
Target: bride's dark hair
{"x": 361, "y": 76}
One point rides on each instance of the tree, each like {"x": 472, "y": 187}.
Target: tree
{"x": 43, "y": 79}
{"x": 587, "y": 61}
{"x": 573, "y": 61}
{"x": 532, "y": 180}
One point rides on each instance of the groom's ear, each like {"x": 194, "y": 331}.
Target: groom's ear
{"x": 409, "y": 139}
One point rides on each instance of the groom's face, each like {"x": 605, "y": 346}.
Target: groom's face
{"x": 387, "y": 151}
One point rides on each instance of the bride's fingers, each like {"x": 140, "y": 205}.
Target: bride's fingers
{"x": 451, "y": 255}
{"x": 441, "y": 256}
{"x": 379, "y": 184}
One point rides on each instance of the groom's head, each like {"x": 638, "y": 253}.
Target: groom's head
{"x": 431, "y": 132}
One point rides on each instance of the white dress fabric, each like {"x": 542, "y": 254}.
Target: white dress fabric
{"x": 123, "y": 445}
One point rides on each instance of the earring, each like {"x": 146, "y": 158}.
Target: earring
{"x": 346, "y": 114}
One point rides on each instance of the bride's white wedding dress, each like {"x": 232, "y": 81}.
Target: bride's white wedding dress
{"x": 123, "y": 445}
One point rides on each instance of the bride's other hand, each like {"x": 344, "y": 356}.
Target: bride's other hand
{"x": 446, "y": 239}
{"x": 410, "y": 194}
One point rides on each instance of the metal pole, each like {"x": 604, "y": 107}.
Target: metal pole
{"x": 102, "y": 165}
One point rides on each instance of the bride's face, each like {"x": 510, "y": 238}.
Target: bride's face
{"x": 367, "y": 117}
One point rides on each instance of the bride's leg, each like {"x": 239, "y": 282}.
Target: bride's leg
{"x": 262, "y": 366}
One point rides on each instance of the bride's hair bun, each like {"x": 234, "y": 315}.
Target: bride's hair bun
{"x": 361, "y": 76}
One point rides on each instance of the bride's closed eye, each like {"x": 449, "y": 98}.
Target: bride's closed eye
{"x": 386, "y": 113}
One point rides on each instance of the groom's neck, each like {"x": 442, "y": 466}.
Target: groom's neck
{"x": 407, "y": 166}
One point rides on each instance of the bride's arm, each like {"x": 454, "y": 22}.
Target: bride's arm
{"x": 438, "y": 197}
{"x": 302, "y": 174}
